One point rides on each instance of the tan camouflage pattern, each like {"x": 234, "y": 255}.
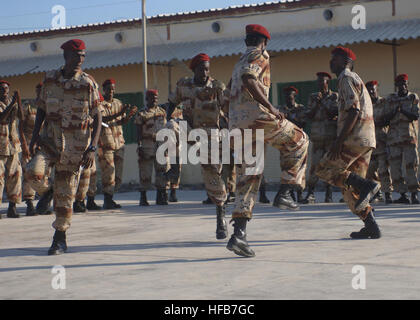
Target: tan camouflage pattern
{"x": 112, "y": 138}
{"x": 403, "y": 143}
{"x": 111, "y": 163}
{"x": 245, "y": 112}
{"x": 87, "y": 183}
{"x": 9, "y": 135}
{"x": 173, "y": 125}
{"x": 379, "y": 167}
{"x": 151, "y": 120}
{"x": 69, "y": 105}
{"x": 295, "y": 113}
{"x": 335, "y": 172}
{"x": 323, "y": 126}
{"x": 11, "y": 175}
{"x": 353, "y": 94}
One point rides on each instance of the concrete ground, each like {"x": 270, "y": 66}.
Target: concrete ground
{"x": 170, "y": 252}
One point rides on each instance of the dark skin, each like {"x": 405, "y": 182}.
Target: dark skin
{"x": 374, "y": 96}
{"x": 109, "y": 91}
{"x": 323, "y": 87}
{"x": 73, "y": 64}
{"x": 11, "y": 112}
{"x": 338, "y": 64}
{"x": 256, "y": 89}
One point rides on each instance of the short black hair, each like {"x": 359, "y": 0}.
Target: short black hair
{"x": 254, "y": 39}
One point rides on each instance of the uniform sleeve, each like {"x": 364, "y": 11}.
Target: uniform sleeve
{"x": 350, "y": 94}
{"x": 138, "y": 120}
{"x": 415, "y": 105}
{"x": 253, "y": 68}
{"x": 94, "y": 99}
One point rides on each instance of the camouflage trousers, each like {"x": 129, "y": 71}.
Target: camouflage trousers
{"x": 409, "y": 154}
{"x": 335, "y": 172}
{"x": 146, "y": 161}
{"x": 229, "y": 175}
{"x": 65, "y": 185}
{"x": 292, "y": 142}
{"x": 319, "y": 149}
{"x": 379, "y": 169}
{"x": 11, "y": 175}
{"x": 87, "y": 183}
{"x": 175, "y": 180}
{"x": 111, "y": 163}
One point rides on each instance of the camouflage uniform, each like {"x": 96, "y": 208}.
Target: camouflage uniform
{"x": 246, "y": 113}
{"x": 402, "y": 141}
{"x": 295, "y": 114}
{"x": 10, "y": 167}
{"x": 358, "y": 146}
{"x": 173, "y": 124}
{"x": 111, "y": 147}
{"x": 151, "y": 120}
{"x": 379, "y": 168}
{"x": 202, "y": 109}
{"x": 323, "y": 129}
{"x": 69, "y": 104}
{"x": 87, "y": 183}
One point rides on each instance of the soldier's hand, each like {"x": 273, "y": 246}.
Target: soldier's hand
{"x": 88, "y": 158}
{"x": 133, "y": 111}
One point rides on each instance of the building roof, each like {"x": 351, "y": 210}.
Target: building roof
{"x": 164, "y": 53}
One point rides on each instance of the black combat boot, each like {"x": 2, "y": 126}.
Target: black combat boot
{"x": 91, "y": 205}
{"x": 143, "y": 199}
{"x": 44, "y": 204}
{"x": 378, "y": 197}
{"x": 367, "y": 189}
{"x": 162, "y": 197}
{"x": 328, "y": 194}
{"x": 284, "y": 199}
{"x": 11, "y": 211}
{"x": 59, "y": 244}
{"x": 263, "y": 197}
{"x": 292, "y": 194}
{"x": 237, "y": 242}
{"x": 414, "y": 198}
{"x": 221, "y": 229}
{"x": 299, "y": 196}
{"x": 79, "y": 206}
{"x": 30, "y": 210}
{"x": 231, "y": 197}
{"x": 172, "y": 196}
{"x": 109, "y": 203}
{"x": 310, "y": 197}
{"x": 370, "y": 230}
{"x": 403, "y": 199}
{"x": 208, "y": 200}
{"x": 388, "y": 197}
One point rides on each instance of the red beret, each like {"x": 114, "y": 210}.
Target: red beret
{"x": 401, "y": 77}
{"x": 291, "y": 88}
{"x": 197, "y": 59}
{"x": 39, "y": 85}
{"x": 152, "y": 91}
{"x": 257, "y": 29}
{"x": 372, "y": 83}
{"x": 73, "y": 45}
{"x": 5, "y": 82}
{"x": 344, "y": 51}
{"x": 108, "y": 81}
{"x": 324, "y": 74}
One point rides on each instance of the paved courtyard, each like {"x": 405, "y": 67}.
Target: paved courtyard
{"x": 170, "y": 252}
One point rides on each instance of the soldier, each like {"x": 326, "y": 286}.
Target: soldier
{"x": 294, "y": 112}
{"x": 29, "y": 110}
{"x": 12, "y": 143}
{"x": 86, "y": 187}
{"x": 263, "y": 197}
{"x": 250, "y": 109}
{"x": 69, "y": 99}
{"x": 403, "y": 115}
{"x": 111, "y": 143}
{"x": 203, "y": 98}
{"x": 379, "y": 165}
{"x": 346, "y": 163}
{"x": 149, "y": 121}
{"x": 322, "y": 110}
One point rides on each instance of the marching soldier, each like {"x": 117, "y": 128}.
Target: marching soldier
{"x": 346, "y": 163}
{"x": 29, "y": 111}
{"x": 250, "y": 108}
{"x": 294, "y": 112}
{"x": 111, "y": 143}
{"x": 69, "y": 99}
{"x": 379, "y": 165}
{"x": 149, "y": 121}
{"x": 323, "y": 110}
{"x": 203, "y": 98}
{"x": 403, "y": 115}
{"x": 12, "y": 142}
